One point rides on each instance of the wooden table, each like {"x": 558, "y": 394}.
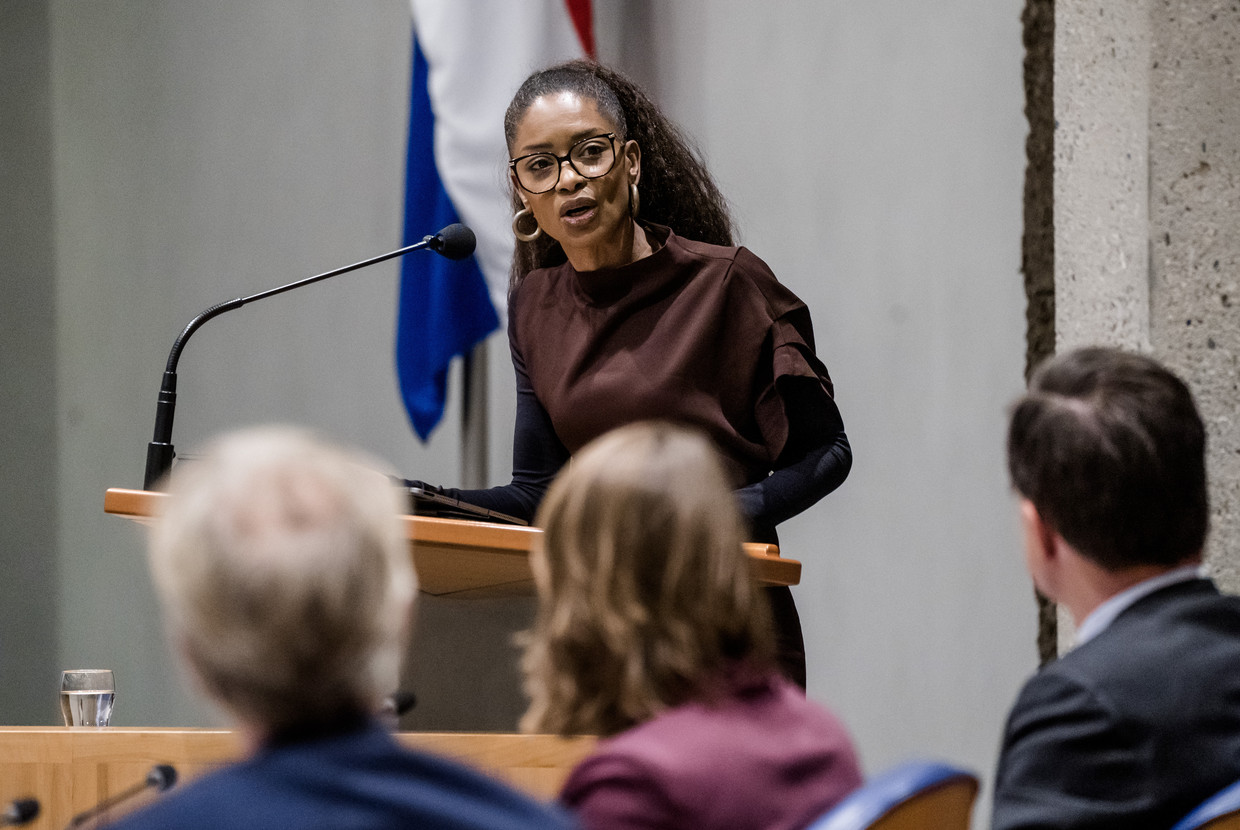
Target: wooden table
{"x": 470, "y": 559}
{"x": 72, "y": 769}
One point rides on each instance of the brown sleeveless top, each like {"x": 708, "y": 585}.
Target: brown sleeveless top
{"x": 696, "y": 334}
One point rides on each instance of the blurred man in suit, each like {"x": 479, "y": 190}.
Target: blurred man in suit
{"x": 1141, "y": 721}
{"x": 287, "y": 587}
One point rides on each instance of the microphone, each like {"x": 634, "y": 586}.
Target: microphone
{"x": 19, "y": 811}
{"x": 394, "y": 706}
{"x": 160, "y": 778}
{"x": 399, "y": 702}
{"x": 454, "y": 242}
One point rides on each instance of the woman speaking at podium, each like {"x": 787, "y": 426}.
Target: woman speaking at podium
{"x": 629, "y": 301}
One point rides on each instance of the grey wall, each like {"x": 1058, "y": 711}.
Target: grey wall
{"x": 874, "y": 156}
{"x": 28, "y": 405}
{"x": 205, "y": 151}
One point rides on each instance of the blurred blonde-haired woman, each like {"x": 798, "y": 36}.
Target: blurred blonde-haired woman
{"x": 652, "y": 633}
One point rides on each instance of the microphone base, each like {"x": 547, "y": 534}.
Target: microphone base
{"x": 158, "y": 462}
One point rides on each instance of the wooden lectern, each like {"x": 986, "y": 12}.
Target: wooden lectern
{"x": 471, "y": 559}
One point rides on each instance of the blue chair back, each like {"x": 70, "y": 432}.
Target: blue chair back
{"x": 1220, "y": 811}
{"x": 917, "y": 794}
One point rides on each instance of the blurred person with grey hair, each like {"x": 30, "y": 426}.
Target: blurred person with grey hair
{"x": 288, "y": 590}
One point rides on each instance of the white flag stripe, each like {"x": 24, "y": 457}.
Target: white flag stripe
{"x": 478, "y": 52}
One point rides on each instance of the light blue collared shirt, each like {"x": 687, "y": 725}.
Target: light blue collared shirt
{"x": 1105, "y": 614}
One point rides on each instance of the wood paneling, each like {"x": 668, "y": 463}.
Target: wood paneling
{"x": 70, "y": 770}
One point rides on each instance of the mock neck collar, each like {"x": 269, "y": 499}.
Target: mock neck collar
{"x": 604, "y": 286}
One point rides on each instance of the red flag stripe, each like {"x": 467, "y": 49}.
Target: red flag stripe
{"x": 582, "y": 15}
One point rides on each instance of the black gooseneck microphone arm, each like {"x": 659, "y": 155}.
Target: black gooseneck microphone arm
{"x": 453, "y": 242}
{"x": 160, "y": 778}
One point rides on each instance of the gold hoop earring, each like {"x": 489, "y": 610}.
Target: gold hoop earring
{"x": 635, "y": 200}
{"x": 523, "y": 235}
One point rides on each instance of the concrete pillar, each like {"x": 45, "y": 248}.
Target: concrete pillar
{"x": 1101, "y": 170}
{"x": 1147, "y": 207}
{"x": 1194, "y": 234}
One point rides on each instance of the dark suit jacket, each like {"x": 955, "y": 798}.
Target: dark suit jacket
{"x": 362, "y": 779}
{"x": 1135, "y": 727}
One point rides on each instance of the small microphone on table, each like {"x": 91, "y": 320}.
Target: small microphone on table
{"x": 400, "y": 702}
{"x": 19, "y": 811}
{"x": 160, "y": 778}
{"x": 394, "y": 706}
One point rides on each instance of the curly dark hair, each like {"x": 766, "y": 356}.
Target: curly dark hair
{"x": 676, "y": 189}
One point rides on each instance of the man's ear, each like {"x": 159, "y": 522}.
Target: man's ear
{"x": 1043, "y": 552}
{"x": 1038, "y": 531}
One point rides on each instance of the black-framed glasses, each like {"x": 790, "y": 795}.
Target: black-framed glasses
{"x": 591, "y": 157}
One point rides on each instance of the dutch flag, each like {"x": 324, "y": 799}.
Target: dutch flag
{"x": 469, "y": 57}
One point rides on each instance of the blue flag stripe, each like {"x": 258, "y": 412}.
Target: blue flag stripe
{"x": 445, "y": 308}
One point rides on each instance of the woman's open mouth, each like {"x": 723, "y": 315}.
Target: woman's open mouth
{"x": 578, "y": 213}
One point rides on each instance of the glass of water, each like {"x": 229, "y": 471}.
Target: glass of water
{"x": 86, "y": 697}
